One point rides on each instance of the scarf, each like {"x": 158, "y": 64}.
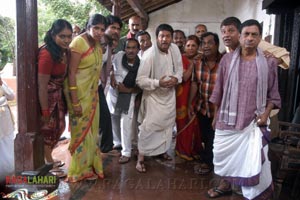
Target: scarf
{"x": 228, "y": 109}
{"x": 123, "y": 100}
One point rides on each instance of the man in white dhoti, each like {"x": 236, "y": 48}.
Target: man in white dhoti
{"x": 245, "y": 93}
{"x": 7, "y": 136}
{"x": 159, "y": 72}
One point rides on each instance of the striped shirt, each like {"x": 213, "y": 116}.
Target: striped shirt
{"x": 206, "y": 77}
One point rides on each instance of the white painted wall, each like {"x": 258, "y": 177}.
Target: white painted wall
{"x": 186, "y": 14}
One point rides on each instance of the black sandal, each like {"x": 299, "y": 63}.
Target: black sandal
{"x": 165, "y": 156}
{"x": 203, "y": 169}
{"x": 219, "y": 193}
{"x": 58, "y": 164}
{"x": 124, "y": 159}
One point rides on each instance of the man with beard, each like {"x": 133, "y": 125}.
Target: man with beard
{"x": 158, "y": 75}
{"x": 105, "y": 130}
{"x": 203, "y": 85}
{"x": 121, "y": 98}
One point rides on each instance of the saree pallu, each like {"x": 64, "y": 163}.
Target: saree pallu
{"x": 188, "y": 141}
{"x": 86, "y": 158}
{"x": 241, "y": 157}
{"x": 53, "y": 129}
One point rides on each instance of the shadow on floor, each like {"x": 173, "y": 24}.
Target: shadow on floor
{"x": 163, "y": 180}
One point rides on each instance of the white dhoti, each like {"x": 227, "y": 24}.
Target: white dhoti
{"x": 157, "y": 122}
{"x": 241, "y": 157}
{"x": 7, "y": 136}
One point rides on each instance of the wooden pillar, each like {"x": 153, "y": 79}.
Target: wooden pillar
{"x": 116, "y": 8}
{"x": 28, "y": 143}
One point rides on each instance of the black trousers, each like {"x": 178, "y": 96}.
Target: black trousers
{"x": 106, "y": 143}
{"x": 208, "y": 135}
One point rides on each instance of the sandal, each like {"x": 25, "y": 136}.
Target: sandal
{"x": 59, "y": 173}
{"x": 140, "y": 167}
{"x": 92, "y": 178}
{"x": 202, "y": 169}
{"x": 165, "y": 156}
{"x": 218, "y": 193}
{"x": 58, "y": 164}
{"x": 124, "y": 159}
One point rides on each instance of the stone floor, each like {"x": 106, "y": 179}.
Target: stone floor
{"x": 174, "y": 180}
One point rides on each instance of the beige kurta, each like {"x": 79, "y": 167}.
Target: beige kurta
{"x": 278, "y": 52}
{"x": 158, "y": 107}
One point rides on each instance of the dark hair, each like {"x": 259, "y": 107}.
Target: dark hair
{"x": 194, "y": 38}
{"x": 96, "y": 19}
{"x": 216, "y": 37}
{"x": 201, "y": 25}
{"x": 164, "y": 27}
{"x": 231, "y": 21}
{"x": 251, "y": 22}
{"x": 55, "y": 50}
{"x": 179, "y": 31}
{"x": 114, "y": 19}
{"x": 142, "y": 33}
{"x": 133, "y": 39}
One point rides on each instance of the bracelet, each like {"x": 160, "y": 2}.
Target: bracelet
{"x": 46, "y": 113}
{"x": 73, "y": 88}
{"x": 76, "y": 104}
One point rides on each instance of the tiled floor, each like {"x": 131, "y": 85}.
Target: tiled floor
{"x": 170, "y": 180}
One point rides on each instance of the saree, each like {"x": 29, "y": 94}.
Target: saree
{"x": 53, "y": 129}
{"x": 86, "y": 158}
{"x": 55, "y": 126}
{"x": 188, "y": 140}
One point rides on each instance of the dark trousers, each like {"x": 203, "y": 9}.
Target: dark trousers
{"x": 106, "y": 143}
{"x": 208, "y": 135}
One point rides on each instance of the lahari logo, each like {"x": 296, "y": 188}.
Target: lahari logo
{"x": 38, "y": 180}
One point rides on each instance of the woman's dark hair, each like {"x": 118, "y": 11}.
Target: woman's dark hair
{"x": 194, "y": 38}
{"x": 55, "y": 50}
{"x": 96, "y": 19}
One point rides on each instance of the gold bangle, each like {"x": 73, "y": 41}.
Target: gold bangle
{"x": 76, "y": 104}
{"x": 73, "y": 88}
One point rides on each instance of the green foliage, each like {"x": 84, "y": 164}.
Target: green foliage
{"x": 7, "y": 40}
{"x": 75, "y": 11}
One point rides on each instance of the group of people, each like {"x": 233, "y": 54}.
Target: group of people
{"x": 219, "y": 102}
{"x": 231, "y": 94}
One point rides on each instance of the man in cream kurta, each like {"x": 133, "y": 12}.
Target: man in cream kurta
{"x": 160, "y": 71}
